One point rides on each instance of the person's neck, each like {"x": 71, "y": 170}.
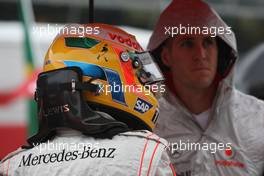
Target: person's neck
{"x": 196, "y": 100}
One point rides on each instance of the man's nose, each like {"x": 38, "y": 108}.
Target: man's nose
{"x": 200, "y": 52}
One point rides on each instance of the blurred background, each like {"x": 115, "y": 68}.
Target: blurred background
{"x": 27, "y": 27}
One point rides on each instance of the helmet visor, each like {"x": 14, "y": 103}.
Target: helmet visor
{"x": 148, "y": 72}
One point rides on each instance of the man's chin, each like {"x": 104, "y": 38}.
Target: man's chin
{"x": 203, "y": 83}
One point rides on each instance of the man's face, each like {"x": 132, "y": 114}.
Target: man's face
{"x": 192, "y": 60}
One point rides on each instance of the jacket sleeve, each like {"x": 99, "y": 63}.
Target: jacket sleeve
{"x": 165, "y": 167}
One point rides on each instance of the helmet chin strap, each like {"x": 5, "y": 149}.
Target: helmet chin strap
{"x": 60, "y": 104}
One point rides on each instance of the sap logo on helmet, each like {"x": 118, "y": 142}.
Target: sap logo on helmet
{"x": 126, "y": 41}
{"x": 142, "y": 106}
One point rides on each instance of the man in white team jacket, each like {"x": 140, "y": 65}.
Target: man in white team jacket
{"x": 213, "y": 128}
{"x": 87, "y": 126}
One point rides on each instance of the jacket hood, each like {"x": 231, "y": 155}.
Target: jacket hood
{"x": 197, "y": 14}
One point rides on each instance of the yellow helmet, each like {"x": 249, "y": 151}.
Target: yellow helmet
{"x": 112, "y": 59}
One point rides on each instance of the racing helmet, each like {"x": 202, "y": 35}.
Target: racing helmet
{"x": 112, "y": 60}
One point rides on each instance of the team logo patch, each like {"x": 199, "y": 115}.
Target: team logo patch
{"x": 230, "y": 159}
{"x": 142, "y": 106}
{"x": 229, "y": 153}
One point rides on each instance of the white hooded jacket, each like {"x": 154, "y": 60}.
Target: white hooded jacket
{"x": 233, "y": 142}
{"x": 237, "y": 122}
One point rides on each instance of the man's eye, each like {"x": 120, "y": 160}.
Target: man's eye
{"x": 209, "y": 41}
{"x": 187, "y": 43}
